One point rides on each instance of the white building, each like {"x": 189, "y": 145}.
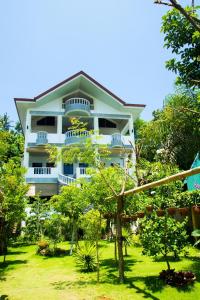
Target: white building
{"x": 45, "y": 119}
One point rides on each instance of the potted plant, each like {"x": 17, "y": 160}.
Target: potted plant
{"x": 184, "y": 211}
{"x": 171, "y": 211}
{"x": 140, "y": 214}
{"x": 160, "y": 212}
{"x": 196, "y": 209}
{"x": 149, "y": 208}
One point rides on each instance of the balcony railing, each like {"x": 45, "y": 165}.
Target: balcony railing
{"x": 116, "y": 140}
{"x": 42, "y": 171}
{"x": 41, "y": 138}
{"x": 63, "y": 179}
{"x": 76, "y": 136}
{"x": 80, "y": 106}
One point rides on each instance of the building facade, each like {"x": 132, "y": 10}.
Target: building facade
{"x": 45, "y": 119}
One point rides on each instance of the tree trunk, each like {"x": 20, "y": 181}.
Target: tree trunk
{"x": 120, "y": 239}
{"x": 3, "y": 239}
{"x": 167, "y": 261}
{"x": 125, "y": 249}
{"x": 73, "y": 239}
{"x": 115, "y": 249}
{"x": 97, "y": 255}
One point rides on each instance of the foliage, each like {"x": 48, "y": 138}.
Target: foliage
{"x": 196, "y": 234}
{"x": 54, "y": 226}
{"x": 173, "y": 135}
{"x": 92, "y": 225}
{"x": 12, "y": 202}
{"x": 162, "y": 236}
{"x": 184, "y": 41}
{"x": 85, "y": 256}
{"x": 39, "y": 211}
{"x": 188, "y": 198}
{"x": 72, "y": 203}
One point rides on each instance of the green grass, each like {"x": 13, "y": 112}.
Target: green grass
{"x": 27, "y": 276}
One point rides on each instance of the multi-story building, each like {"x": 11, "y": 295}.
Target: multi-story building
{"x": 45, "y": 119}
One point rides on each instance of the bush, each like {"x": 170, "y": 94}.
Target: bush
{"x": 42, "y": 247}
{"x": 86, "y": 257}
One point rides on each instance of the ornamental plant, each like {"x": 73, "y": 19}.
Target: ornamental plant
{"x": 163, "y": 236}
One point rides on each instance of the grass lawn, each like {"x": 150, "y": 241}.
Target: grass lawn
{"x": 27, "y": 276}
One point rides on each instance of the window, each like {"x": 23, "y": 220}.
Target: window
{"x": 68, "y": 169}
{"x": 36, "y": 165}
{"x": 106, "y": 123}
{"x": 50, "y": 165}
{"x": 83, "y": 165}
{"x": 47, "y": 121}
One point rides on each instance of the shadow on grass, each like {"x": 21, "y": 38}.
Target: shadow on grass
{"x": 4, "y": 297}
{"x": 15, "y": 253}
{"x": 7, "y": 266}
{"x": 194, "y": 266}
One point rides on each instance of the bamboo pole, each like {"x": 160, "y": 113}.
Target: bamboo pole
{"x": 157, "y": 183}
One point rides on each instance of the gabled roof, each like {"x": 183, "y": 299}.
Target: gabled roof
{"x": 81, "y": 73}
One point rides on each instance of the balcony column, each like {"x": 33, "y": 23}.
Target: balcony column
{"x": 59, "y": 124}
{"x": 131, "y": 130}
{"x": 26, "y": 159}
{"x": 96, "y": 125}
{"x": 28, "y": 122}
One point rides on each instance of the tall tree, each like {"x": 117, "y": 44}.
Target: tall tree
{"x": 184, "y": 42}
{"x": 174, "y": 132}
{"x": 192, "y": 19}
{"x": 12, "y": 200}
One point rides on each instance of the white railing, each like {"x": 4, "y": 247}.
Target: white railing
{"x": 78, "y": 101}
{"x": 76, "y": 136}
{"x": 81, "y": 172}
{"x": 42, "y": 170}
{"x": 65, "y": 179}
{"x": 116, "y": 140}
{"x": 41, "y": 137}
{"x": 77, "y": 133}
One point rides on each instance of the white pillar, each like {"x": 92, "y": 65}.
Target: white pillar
{"x": 26, "y": 159}
{"x": 28, "y": 122}
{"x": 96, "y": 125}
{"x": 59, "y": 124}
{"x": 131, "y": 130}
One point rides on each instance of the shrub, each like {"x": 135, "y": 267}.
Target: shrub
{"x": 86, "y": 257}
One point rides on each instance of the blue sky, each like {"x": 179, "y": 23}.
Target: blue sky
{"x": 118, "y": 42}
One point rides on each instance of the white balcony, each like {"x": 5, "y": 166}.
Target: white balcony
{"x": 72, "y": 137}
{"x": 78, "y": 106}
{"x": 76, "y": 136}
{"x": 81, "y": 172}
{"x": 41, "y": 138}
{"x": 42, "y": 172}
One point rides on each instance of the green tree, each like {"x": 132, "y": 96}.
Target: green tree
{"x": 92, "y": 225}
{"x": 162, "y": 236}
{"x": 184, "y": 41}
{"x": 12, "y": 202}
{"x": 39, "y": 212}
{"x": 54, "y": 228}
{"x": 113, "y": 181}
{"x": 71, "y": 203}
{"x": 173, "y": 134}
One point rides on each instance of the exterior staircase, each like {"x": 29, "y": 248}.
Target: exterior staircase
{"x": 65, "y": 180}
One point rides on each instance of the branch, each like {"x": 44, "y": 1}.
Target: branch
{"x": 162, "y": 2}
{"x": 195, "y": 22}
{"x": 125, "y": 179}
{"x": 165, "y": 180}
{"x": 108, "y": 184}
